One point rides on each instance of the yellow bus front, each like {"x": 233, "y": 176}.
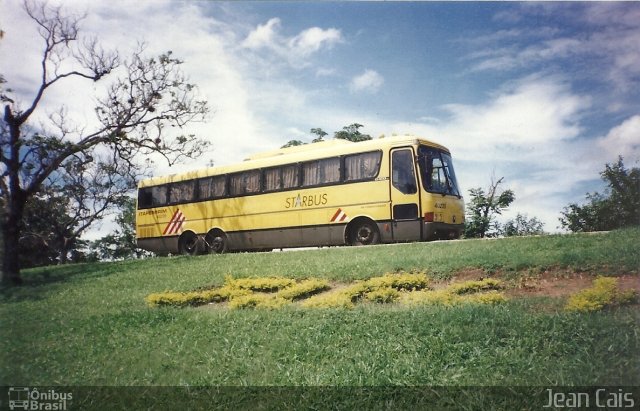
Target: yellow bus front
{"x": 442, "y": 202}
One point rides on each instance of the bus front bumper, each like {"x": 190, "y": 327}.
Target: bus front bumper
{"x": 442, "y": 231}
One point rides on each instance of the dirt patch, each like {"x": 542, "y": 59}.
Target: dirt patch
{"x": 550, "y": 286}
{"x": 470, "y": 274}
{"x": 629, "y": 282}
{"x": 467, "y": 274}
{"x": 555, "y": 282}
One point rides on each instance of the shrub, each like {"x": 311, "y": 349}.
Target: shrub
{"x": 399, "y": 281}
{"x": 335, "y": 299}
{"x": 492, "y": 297}
{"x": 603, "y": 293}
{"x": 275, "y": 292}
{"x": 183, "y": 299}
{"x": 428, "y": 297}
{"x": 382, "y": 289}
{"x": 475, "y": 286}
{"x": 340, "y": 298}
{"x": 303, "y": 289}
{"x": 458, "y": 293}
{"x": 384, "y": 295}
{"x": 264, "y": 301}
{"x": 169, "y": 298}
{"x": 263, "y": 284}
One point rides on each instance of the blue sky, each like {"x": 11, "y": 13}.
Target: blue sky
{"x": 543, "y": 94}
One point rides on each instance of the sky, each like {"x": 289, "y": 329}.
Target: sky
{"x": 542, "y": 94}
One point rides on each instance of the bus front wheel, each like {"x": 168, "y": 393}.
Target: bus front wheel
{"x": 364, "y": 232}
{"x": 216, "y": 242}
{"x": 188, "y": 244}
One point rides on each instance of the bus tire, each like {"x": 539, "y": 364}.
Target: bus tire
{"x": 363, "y": 232}
{"x": 189, "y": 243}
{"x": 216, "y": 242}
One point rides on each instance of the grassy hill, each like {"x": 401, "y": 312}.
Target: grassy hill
{"x": 88, "y": 325}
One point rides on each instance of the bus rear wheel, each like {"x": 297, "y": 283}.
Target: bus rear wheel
{"x": 216, "y": 242}
{"x": 364, "y": 232}
{"x": 188, "y": 244}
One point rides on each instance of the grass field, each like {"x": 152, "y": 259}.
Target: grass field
{"x": 88, "y": 325}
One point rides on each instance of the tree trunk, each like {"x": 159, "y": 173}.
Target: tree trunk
{"x": 11, "y": 234}
{"x": 64, "y": 250}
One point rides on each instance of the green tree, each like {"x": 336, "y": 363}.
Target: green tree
{"x": 293, "y": 143}
{"x": 352, "y": 133}
{"x": 48, "y": 231}
{"x": 617, "y": 207}
{"x": 135, "y": 118}
{"x": 122, "y": 243}
{"x": 522, "y": 226}
{"x": 45, "y": 231}
{"x": 320, "y": 133}
{"x": 483, "y": 208}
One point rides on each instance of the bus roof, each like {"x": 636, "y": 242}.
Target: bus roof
{"x": 295, "y": 154}
{"x": 298, "y": 149}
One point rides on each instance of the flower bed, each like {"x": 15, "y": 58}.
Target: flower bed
{"x": 276, "y": 292}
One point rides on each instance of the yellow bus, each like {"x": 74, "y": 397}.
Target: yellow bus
{"x": 331, "y": 193}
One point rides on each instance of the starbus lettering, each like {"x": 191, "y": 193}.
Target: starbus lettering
{"x": 301, "y": 201}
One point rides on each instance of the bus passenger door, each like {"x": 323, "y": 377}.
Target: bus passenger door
{"x": 405, "y": 197}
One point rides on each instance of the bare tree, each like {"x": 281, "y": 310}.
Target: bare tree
{"x": 141, "y": 113}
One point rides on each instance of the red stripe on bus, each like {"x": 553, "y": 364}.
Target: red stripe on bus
{"x": 166, "y": 230}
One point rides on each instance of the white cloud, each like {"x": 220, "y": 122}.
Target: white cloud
{"x": 294, "y": 50}
{"x": 325, "y": 72}
{"x": 532, "y": 112}
{"x": 313, "y": 39}
{"x": 623, "y": 140}
{"x": 203, "y": 43}
{"x": 512, "y": 57}
{"x": 369, "y": 81}
{"x": 528, "y": 132}
{"x": 608, "y": 45}
{"x": 264, "y": 36}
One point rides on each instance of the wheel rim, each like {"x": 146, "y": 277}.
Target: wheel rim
{"x": 364, "y": 235}
{"x": 190, "y": 244}
{"x": 216, "y": 243}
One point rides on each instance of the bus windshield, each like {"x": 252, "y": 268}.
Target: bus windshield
{"x": 437, "y": 171}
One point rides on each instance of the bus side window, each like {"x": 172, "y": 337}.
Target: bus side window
{"x": 273, "y": 179}
{"x": 159, "y": 195}
{"x": 182, "y": 192}
{"x": 290, "y": 176}
{"x": 153, "y": 196}
{"x": 362, "y": 166}
{"x": 403, "y": 176}
{"x": 247, "y": 182}
{"x": 145, "y": 199}
{"x": 320, "y": 172}
{"x": 212, "y": 187}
